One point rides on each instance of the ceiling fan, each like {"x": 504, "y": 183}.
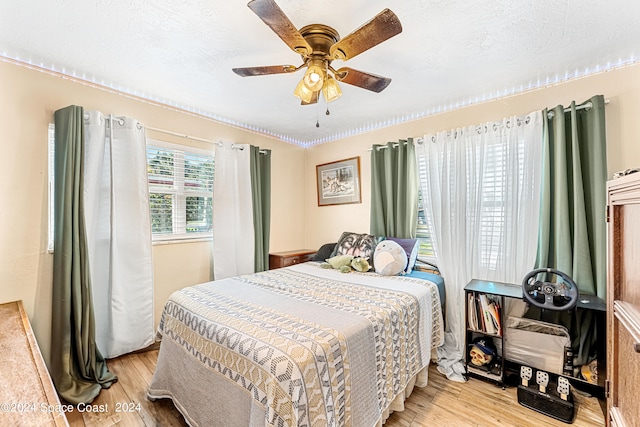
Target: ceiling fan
{"x": 319, "y": 45}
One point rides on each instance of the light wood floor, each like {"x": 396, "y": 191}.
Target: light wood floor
{"x": 441, "y": 403}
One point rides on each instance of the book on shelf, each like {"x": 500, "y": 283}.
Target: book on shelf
{"x": 483, "y": 314}
{"x": 472, "y": 317}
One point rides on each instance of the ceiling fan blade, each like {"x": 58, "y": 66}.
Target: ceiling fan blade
{"x": 314, "y": 98}
{"x": 261, "y": 71}
{"x": 274, "y": 17}
{"x": 382, "y": 27}
{"x": 361, "y": 79}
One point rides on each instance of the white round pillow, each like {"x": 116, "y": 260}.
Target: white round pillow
{"x": 389, "y": 259}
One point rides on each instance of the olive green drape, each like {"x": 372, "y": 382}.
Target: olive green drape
{"x": 572, "y": 228}
{"x": 260, "y": 165}
{"x": 77, "y": 368}
{"x": 394, "y": 189}
{"x": 572, "y": 234}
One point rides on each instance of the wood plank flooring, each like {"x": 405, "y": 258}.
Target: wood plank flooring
{"x": 441, "y": 403}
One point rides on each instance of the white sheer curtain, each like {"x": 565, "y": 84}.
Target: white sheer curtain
{"x": 233, "y": 233}
{"x": 481, "y": 191}
{"x": 116, "y": 209}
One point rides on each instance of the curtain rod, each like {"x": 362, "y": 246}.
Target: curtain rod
{"x": 382, "y": 147}
{"x": 584, "y": 106}
{"x": 195, "y": 138}
{"x": 181, "y": 135}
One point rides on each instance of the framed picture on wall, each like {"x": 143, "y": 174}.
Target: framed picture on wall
{"x": 339, "y": 182}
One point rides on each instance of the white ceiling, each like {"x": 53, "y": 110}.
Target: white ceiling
{"x": 451, "y": 53}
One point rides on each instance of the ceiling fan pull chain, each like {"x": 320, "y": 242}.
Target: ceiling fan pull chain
{"x": 326, "y": 103}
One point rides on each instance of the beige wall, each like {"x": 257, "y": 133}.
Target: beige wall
{"x": 28, "y": 100}
{"x": 621, "y": 87}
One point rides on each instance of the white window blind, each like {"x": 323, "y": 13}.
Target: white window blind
{"x": 492, "y": 215}
{"x": 51, "y": 162}
{"x": 495, "y": 182}
{"x": 427, "y": 251}
{"x": 180, "y": 191}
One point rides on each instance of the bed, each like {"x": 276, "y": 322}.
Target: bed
{"x": 297, "y": 346}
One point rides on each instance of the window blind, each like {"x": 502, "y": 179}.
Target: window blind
{"x": 424, "y": 228}
{"x": 180, "y": 191}
{"x": 51, "y": 164}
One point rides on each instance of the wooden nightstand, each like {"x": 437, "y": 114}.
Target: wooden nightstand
{"x": 287, "y": 258}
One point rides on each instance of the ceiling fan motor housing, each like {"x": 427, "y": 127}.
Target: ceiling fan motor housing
{"x": 320, "y": 37}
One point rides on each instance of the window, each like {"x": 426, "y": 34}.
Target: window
{"x": 501, "y": 183}
{"x": 180, "y": 191}
{"x": 426, "y": 252}
{"x": 51, "y": 143}
{"x": 485, "y": 179}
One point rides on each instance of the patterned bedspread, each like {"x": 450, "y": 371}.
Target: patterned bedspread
{"x": 297, "y": 346}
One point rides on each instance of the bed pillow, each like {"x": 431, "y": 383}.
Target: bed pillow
{"x": 356, "y": 244}
{"x": 389, "y": 259}
{"x": 324, "y": 252}
{"x": 410, "y": 247}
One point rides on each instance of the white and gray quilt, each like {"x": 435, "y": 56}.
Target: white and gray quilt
{"x": 298, "y": 346}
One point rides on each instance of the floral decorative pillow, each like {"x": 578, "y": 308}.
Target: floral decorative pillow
{"x": 356, "y": 244}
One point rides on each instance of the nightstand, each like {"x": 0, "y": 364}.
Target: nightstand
{"x": 287, "y": 258}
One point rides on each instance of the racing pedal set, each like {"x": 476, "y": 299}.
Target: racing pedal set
{"x": 542, "y": 394}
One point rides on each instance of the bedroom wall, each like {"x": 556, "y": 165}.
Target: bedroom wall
{"x": 621, "y": 87}
{"x": 27, "y": 103}
{"x": 29, "y": 99}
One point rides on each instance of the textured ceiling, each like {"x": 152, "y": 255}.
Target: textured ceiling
{"x": 450, "y": 54}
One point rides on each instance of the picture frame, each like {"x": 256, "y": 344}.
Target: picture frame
{"x": 338, "y": 182}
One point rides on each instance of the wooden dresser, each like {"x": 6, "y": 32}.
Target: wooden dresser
{"x": 623, "y": 301}
{"x": 27, "y": 394}
{"x": 285, "y": 259}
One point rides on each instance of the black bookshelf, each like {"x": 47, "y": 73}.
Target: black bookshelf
{"x": 501, "y": 291}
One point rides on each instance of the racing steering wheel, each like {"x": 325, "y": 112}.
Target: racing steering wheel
{"x": 559, "y": 296}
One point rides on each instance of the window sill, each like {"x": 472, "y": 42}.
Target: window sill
{"x": 180, "y": 241}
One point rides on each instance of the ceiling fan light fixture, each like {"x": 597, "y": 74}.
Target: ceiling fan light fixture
{"x": 331, "y": 89}
{"x": 314, "y": 77}
{"x": 302, "y": 92}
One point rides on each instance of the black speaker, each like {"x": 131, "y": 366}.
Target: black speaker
{"x": 547, "y": 403}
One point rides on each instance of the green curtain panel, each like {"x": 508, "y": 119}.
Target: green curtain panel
{"x": 394, "y": 189}
{"x": 572, "y": 228}
{"x": 261, "y": 192}
{"x": 77, "y": 368}
{"x": 572, "y": 236}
